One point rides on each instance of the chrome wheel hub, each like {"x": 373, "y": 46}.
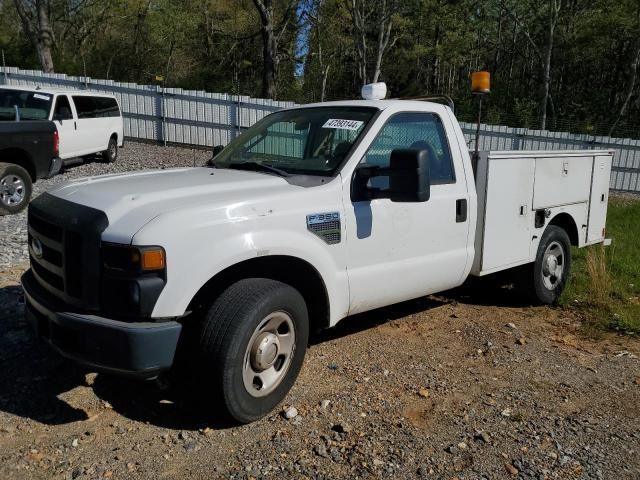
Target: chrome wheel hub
{"x": 553, "y": 265}
{"x": 269, "y": 354}
{"x": 12, "y": 190}
{"x": 264, "y": 351}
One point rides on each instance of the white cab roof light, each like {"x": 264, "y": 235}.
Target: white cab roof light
{"x": 374, "y": 91}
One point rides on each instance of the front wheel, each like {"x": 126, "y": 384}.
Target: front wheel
{"x": 15, "y": 188}
{"x": 545, "y": 279}
{"x": 251, "y": 348}
{"x": 110, "y": 155}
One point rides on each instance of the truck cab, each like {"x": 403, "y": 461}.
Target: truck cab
{"x": 313, "y": 214}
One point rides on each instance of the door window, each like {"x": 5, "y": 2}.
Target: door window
{"x": 63, "y": 109}
{"x": 423, "y": 131}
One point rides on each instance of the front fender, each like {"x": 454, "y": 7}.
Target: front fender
{"x": 195, "y": 256}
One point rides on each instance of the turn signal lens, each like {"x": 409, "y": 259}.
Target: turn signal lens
{"x": 152, "y": 259}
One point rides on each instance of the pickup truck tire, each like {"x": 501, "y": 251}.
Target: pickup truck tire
{"x": 545, "y": 279}
{"x": 110, "y": 155}
{"x": 15, "y": 188}
{"x": 251, "y": 348}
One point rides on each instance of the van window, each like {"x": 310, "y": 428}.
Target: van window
{"x": 63, "y": 109}
{"x": 106, "y": 107}
{"x": 84, "y": 106}
{"x": 96, "y": 107}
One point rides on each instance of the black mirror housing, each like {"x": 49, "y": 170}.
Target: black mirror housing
{"x": 214, "y": 153}
{"x": 217, "y": 149}
{"x": 409, "y": 178}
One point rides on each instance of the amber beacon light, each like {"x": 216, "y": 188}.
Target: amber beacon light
{"x": 480, "y": 82}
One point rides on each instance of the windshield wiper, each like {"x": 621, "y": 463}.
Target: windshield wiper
{"x": 258, "y": 166}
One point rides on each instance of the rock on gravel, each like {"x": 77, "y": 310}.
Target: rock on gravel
{"x": 134, "y": 156}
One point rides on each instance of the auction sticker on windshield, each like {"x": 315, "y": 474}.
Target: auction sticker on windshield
{"x": 343, "y": 124}
{"x": 41, "y": 97}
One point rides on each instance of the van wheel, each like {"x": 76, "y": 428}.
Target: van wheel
{"x": 110, "y": 155}
{"x": 544, "y": 280}
{"x": 251, "y": 348}
{"x": 15, "y": 188}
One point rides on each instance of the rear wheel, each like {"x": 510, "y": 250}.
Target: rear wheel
{"x": 251, "y": 348}
{"x": 110, "y": 155}
{"x": 15, "y": 188}
{"x": 545, "y": 279}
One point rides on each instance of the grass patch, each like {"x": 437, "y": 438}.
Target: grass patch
{"x": 605, "y": 283}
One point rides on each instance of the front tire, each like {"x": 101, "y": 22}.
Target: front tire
{"x": 545, "y": 279}
{"x": 15, "y": 188}
{"x": 110, "y": 155}
{"x": 251, "y": 348}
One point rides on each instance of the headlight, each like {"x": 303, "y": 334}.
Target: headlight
{"x": 132, "y": 279}
{"x": 133, "y": 259}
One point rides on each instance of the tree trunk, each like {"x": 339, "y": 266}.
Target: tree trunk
{"x": 435, "y": 65}
{"x": 269, "y": 48}
{"x": 384, "y": 34}
{"x": 632, "y": 74}
{"x": 45, "y": 36}
{"x": 37, "y": 28}
{"x": 357, "y": 16}
{"x": 554, "y": 6}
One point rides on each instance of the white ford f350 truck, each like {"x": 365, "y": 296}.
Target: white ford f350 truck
{"x": 313, "y": 214}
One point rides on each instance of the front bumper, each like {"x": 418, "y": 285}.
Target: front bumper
{"x": 139, "y": 349}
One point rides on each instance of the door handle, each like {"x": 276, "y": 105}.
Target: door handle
{"x": 461, "y": 210}
{"x": 75, "y": 125}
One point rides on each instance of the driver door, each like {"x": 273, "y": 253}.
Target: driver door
{"x": 403, "y": 250}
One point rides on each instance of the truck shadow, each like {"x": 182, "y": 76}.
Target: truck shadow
{"x": 35, "y": 383}
{"x": 31, "y": 377}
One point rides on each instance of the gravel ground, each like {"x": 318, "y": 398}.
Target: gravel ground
{"x": 135, "y": 156}
{"x": 467, "y": 385}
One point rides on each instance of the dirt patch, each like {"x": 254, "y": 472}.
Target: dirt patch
{"x": 464, "y": 385}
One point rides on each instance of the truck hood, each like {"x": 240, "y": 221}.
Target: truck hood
{"x": 131, "y": 200}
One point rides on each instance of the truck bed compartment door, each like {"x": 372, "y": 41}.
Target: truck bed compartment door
{"x": 561, "y": 181}
{"x": 599, "y": 198}
{"x": 507, "y": 222}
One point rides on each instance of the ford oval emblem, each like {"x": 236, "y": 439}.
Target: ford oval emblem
{"x": 36, "y": 246}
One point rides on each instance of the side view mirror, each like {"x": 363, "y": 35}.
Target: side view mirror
{"x": 217, "y": 149}
{"x": 408, "y": 178}
{"x": 214, "y": 153}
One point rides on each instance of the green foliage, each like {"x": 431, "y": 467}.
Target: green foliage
{"x": 216, "y": 45}
{"x": 605, "y": 282}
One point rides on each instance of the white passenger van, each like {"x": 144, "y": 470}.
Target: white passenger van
{"x": 87, "y": 122}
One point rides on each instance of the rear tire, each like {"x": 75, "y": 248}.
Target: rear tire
{"x": 15, "y": 188}
{"x": 251, "y": 348}
{"x": 544, "y": 280}
{"x": 110, "y": 155}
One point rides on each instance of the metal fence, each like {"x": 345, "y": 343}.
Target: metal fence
{"x": 203, "y": 119}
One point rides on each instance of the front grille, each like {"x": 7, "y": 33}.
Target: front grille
{"x": 64, "y": 249}
{"x": 57, "y": 258}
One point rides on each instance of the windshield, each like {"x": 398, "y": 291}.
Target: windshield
{"x": 29, "y": 105}
{"x": 312, "y": 141}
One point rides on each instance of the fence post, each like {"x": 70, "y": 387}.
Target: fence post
{"x": 4, "y": 70}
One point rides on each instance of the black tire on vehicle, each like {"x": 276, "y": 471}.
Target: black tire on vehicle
{"x": 110, "y": 155}
{"x": 544, "y": 280}
{"x": 15, "y": 188}
{"x": 251, "y": 348}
